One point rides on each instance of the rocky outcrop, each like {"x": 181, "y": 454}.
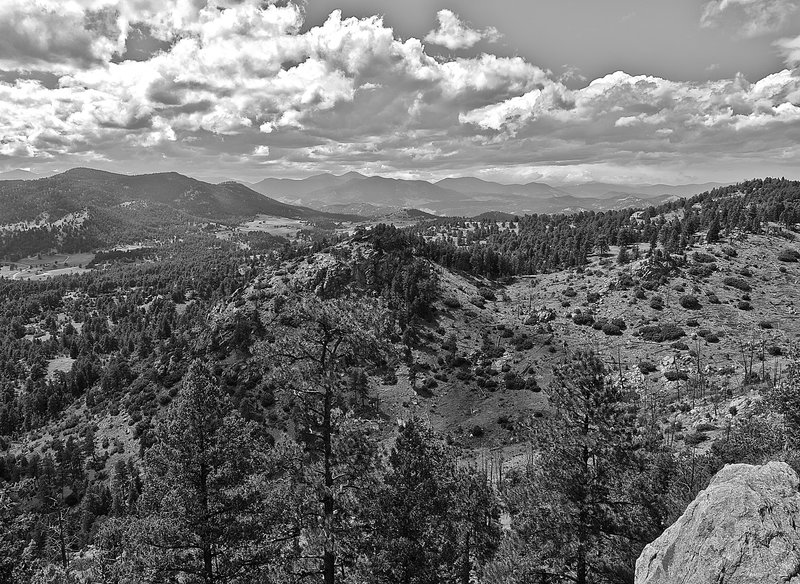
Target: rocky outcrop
{"x": 743, "y": 529}
{"x": 542, "y": 314}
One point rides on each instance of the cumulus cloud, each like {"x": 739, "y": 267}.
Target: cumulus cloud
{"x": 247, "y": 67}
{"x": 650, "y": 104}
{"x": 50, "y": 34}
{"x": 453, "y": 34}
{"x": 237, "y": 82}
{"x": 749, "y": 17}
{"x": 790, "y": 49}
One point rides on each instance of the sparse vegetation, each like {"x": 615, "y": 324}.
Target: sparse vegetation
{"x": 690, "y": 302}
{"x": 738, "y": 283}
{"x": 661, "y": 333}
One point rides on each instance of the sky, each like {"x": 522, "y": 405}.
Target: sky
{"x": 559, "y": 91}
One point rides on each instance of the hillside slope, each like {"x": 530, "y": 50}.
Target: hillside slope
{"x": 79, "y": 188}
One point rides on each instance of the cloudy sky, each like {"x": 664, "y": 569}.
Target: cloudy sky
{"x": 512, "y": 90}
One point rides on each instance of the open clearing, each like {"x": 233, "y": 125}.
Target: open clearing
{"x": 46, "y": 266}
{"x": 63, "y": 364}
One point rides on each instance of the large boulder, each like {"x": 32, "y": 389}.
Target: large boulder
{"x": 743, "y": 529}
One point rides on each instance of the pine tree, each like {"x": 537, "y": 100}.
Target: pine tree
{"x": 317, "y": 345}
{"x": 712, "y": 235}
{"x": 411, "y": 528}
{"x": 437, "y": 523}
{"x": 572, "y": 512}
{"x": 14, "y": 529}
{"x": 623, "y": 257}
{"x": 208, "y": 508}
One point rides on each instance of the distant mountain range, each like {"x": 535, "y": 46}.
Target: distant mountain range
{"x": 25, "y": 195}
{"x": 79, "y": 188}
{"x": 375, "y": 195}
{"x": 19, "y": 174}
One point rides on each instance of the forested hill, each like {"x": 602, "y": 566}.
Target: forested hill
{"x": 351, "y": 412}
{"x": 541, "y": 243}
{"x": 79, "y": 188}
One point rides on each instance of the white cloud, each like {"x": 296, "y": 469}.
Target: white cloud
{"x": 749, "y": 17}
{"x": 508, "y": 114}
{"x": 651, "y": 120}
{"x": 453, "y": 34}
{"x": 790, "y": 49}
{"x": 248, "y": 67}
{"x": 50, "y": 34}
{"x": 349, "y": 94}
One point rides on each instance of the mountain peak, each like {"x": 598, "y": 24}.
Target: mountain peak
{"x": 353, "y": 175}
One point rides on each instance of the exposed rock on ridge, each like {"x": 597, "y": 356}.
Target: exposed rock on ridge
{"x": 743, "y": 529}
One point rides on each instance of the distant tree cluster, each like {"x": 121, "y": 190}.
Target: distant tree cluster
{"x": 544, "y": 243}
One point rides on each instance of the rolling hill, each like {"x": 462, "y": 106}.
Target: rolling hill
{"x": 464, "y": 196}
{"x": 81, "y": 188}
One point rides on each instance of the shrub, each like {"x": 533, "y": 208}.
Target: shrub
{"x": 661, "y": 333}
{"x": 522, "y": 342}
{"x": 746, "y": 272}
{"x": 487, "y": 294}
{"x": 451, "y": 302}
{"x": 513, "y": 381}
{"x": 703, "y": 258}
{"x": 789, "y": 255}
{"x": 625, "y": 282}
{"x": 690, "y": 302}
{"x": 647, "y": 367}
{"x": 592, "y": 297}
{"x": 765, "y": 324}
{"x": 611, "y": 329}
{"x": 569, "y": 292}
{"x": 657, "y": 303}
{"x": 712, "y": 298}
{"x": 695, "y": 439}
{"x": 583, "y": 319}
{"x": 619, "y": 323}
{"x": 478, "y": 301}
{"x": 730, "y": 252}
{"x": 744, "y": 305}
{"x": 672, "y": 332}
{"x": 738, "y": 283}
{"x": 702, "y": 271}
{"x": 639, "y": 293}
{"x": 672, "y": 375}
{"x": 692, "y": 322}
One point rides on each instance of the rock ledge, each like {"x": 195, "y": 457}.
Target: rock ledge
{"x": 743, "y": 529}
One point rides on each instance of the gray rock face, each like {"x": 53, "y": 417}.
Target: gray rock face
{"x": 743, "y": 529}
